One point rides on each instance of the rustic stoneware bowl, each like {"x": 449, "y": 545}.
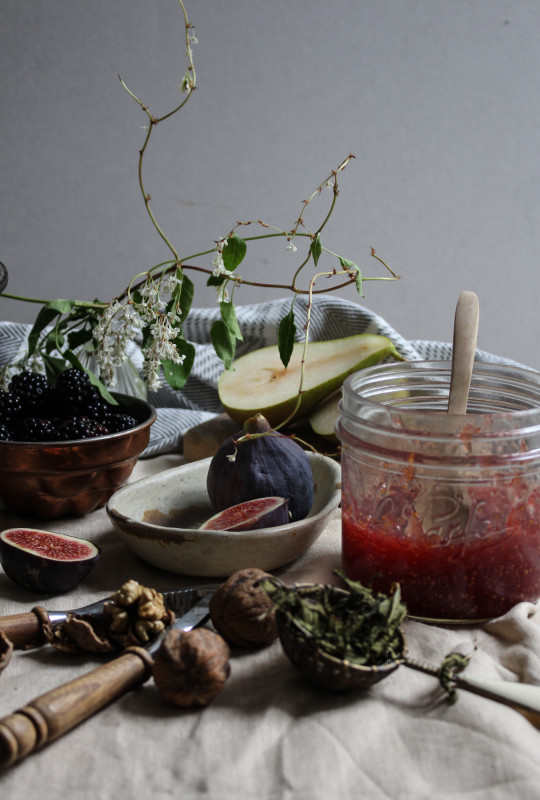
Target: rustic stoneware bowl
{"x": 158, "y": 518}
{"x": 49, "y": 480}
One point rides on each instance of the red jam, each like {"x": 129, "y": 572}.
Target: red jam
{"x": 476, "y": 570}
{"x": 446, "y": 505}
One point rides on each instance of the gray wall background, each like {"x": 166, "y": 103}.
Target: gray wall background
{"x": 437, "y": 99}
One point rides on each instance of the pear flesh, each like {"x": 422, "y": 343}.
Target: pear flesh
{"x": 259, "y": 383}
{"x": 323, "y": 418}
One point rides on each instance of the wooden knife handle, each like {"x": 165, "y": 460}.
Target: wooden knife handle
{"x": 23, "y": 630}
{"x": 54, "y": 713}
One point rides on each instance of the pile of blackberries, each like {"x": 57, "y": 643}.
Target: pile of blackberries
{"x": 35, "y": 410}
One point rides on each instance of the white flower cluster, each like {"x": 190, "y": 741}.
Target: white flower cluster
{"x": 116, "y": 327}
{"x": 221, "y": 269}
{"x": 161, "y": 347}
{"x": 120, "y": 321}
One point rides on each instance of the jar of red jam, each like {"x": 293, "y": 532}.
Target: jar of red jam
{"x": 448, "y": 506}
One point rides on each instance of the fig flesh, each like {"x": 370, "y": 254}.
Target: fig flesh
{"x": 264, "y": 512}
{"x": 43, "y": 561}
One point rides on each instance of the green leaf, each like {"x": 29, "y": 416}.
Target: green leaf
{"x": 182, "y": 296}
{"x": 78, "y": 338}
{"x": 286, "y": 333}
{"x": 350, "y": 266}
{"x": 137, "y": 297}
{"x": 177, "y": 374}
{"x": 215, "y": 280}
{"x": 187, "y": 290}
{"x": 234, "y": 252}
{"x": 47, "y": 313}
{"x": 228, "y": 315}
{"x": 359, "y": 281}
{"x": 316, "y": 248}
{"x": 54, "y": 339}
{"x": 346, "y": 264}
{"x": 53, "y": 366}
{"x": 224, "y": 343}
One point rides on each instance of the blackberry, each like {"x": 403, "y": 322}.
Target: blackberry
{"x": 33, "y": 389}
{"x": 120, "y": 422}
{"x": 34, "y": 429}
{"x": 73, "y": 385}
{"x": 81, "y": 428}
{"x": 11, "y": 406}
{"x": 5, "y": 433}
{"x": 98, "y": 408}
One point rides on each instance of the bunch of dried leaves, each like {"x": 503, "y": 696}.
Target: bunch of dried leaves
{"x": 357, "y": 625}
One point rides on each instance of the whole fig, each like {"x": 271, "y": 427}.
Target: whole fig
{"x": 272, "y": 465}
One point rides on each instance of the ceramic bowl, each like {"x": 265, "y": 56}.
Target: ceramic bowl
{"x": 158, "y": 518}
{"x": 51, "y": 479}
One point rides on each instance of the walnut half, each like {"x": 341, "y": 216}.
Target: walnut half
{"x": 191, "y": 667}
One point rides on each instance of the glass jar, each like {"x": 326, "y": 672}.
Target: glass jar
{"x": 446, "y": 505}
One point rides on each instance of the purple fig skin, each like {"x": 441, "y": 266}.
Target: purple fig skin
{"x": 37, "y": 573}
{"x": 266, "y": 512}
{"x": 267, "y": 466}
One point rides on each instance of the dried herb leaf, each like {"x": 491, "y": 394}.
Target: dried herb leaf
{"x": 454, "y": 662}
{"x": 354, "y": 625}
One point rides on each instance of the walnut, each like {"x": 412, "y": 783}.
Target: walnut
{"x": 6, "y": 649}
{"x": 242, "y": 612}
{"x": 118, "y": 617}
{"x": 147, "y": 629}
{"x": 76, "y": 635}
{"x": 191, "y": 667}
{"x": 150, "y": 604}
{"x": 134, "y": 615}
{"x": 128, "y": 593}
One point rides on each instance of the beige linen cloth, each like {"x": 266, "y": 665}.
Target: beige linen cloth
{"x": 270, "y": 735}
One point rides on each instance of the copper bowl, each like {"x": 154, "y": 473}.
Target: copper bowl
{"x": 52, "y": 479}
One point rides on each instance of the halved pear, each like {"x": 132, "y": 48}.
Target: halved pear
{"x": 259, "y": 383}
{"x": 324, "y": 416}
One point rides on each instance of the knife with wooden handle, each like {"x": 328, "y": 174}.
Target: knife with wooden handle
{"x": 54, "y": 713}
{"x": 27, "y": 630}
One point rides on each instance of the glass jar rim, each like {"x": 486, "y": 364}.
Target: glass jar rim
{"x": 413, "y": 395}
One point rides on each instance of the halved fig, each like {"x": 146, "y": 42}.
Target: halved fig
{"x": 43, "y": 561}
{"x": 264, "y": 512}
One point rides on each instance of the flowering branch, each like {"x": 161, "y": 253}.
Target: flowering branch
{"x": 157, "y": 301}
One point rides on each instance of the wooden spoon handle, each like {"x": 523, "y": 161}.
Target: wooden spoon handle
{"x": 23, "y": 630}
{"x": 464, "y": 348}
{"x": 54, "y": 713}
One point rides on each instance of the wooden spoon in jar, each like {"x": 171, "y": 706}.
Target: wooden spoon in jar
{"x": 464, "y": 348}
{"x": 441, "y": 508}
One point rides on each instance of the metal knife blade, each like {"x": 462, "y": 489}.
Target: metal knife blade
{"x": 196, "y": 615}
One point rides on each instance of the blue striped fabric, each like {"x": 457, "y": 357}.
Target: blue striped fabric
{"x": 331, "y": 318}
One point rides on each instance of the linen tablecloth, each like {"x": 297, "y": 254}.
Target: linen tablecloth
{"x": 271, "y": 735}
